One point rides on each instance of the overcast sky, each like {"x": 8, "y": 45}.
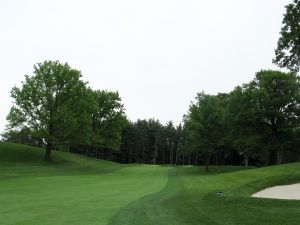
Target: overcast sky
{"x": 158, "y": 54}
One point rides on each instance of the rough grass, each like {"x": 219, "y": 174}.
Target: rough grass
{"x": 78, "y": 190}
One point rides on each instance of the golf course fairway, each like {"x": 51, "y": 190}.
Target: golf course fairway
{"x": 77, "y": 190}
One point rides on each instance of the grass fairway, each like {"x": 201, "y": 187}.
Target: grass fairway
{"x": 82, "y": 191}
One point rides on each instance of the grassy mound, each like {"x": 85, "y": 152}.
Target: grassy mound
{"x": 71, "y": 190}
{"x": 79, "y": 190}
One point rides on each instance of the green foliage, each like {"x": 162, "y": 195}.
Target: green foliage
{"x": 205, "y": 123}
{"x": 148, "y": 141}
{"x": 21, "y": 137}
{"x": 51, "y": 104}
{"x": 277, "y": 96}
{"x": 258, "y": 120}
{"x": 287, "y": 53}
{"x": 108, "y": 120}
{"x": 56, "y": 108}
{"x": 142, "y": 141}
{"x": 244, "y": 122}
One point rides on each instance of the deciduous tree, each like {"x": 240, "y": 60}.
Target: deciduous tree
{"x": 287, "y": 53}
{"x": 51, "y": 104}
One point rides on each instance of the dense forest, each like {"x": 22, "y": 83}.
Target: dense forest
{"x": 257, "y": 123}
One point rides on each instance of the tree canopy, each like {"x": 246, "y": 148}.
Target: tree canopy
{"x": 287, "y": 53}
{"x": 50, "y": 104}
{"x": 56, "y": 107}
{"x": 108, "y": 120}
{"x": 259, "y": 119}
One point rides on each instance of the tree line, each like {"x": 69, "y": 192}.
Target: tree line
{"x": 257, "y": 123}
{"x": 258, "y": 120}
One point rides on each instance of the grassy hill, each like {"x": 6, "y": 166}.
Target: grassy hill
{"x": 82, "y": 191}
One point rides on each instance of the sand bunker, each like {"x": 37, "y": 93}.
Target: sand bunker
{"x": 280, "y": 192}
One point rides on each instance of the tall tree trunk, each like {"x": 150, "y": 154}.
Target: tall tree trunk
{"x": 272, "y": 156}
{"x": 155, "y": 152}
{"x": 130, "y": 157}
{"x": 246, "y": 159}
{"x": 274, "y": 143}
{"x": 279, "y": 157}
{"x": 49, "y": 147}
{"x": 223, "y": 158}
{"x": 196, "y": 159}
{"x": 207, "y": 162}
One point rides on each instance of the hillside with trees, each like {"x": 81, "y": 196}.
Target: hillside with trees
{"x": 257, "y": 123}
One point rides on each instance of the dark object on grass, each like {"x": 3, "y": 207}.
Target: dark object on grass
{"x": 220, "y": 193}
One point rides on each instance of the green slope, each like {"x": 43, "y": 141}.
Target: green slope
{"x": 72, "y": 190}
{"x": 190, "y": 198}
{"x": 78, "y": 190}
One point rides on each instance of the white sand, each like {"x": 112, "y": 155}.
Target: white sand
{"x": 280, "y": 192}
